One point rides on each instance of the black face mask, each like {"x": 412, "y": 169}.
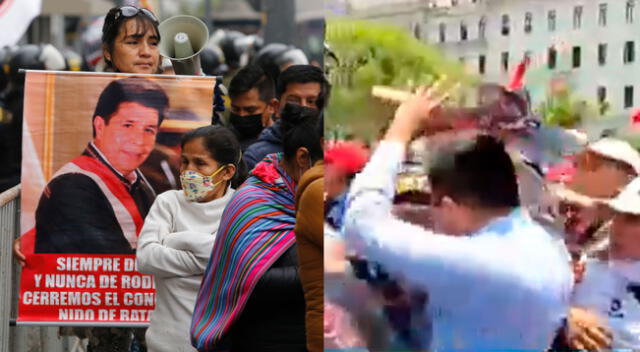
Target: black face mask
{"x": 247, "y": 126}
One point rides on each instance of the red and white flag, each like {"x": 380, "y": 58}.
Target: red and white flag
{"x": 517, "y": 81}
{"x": 15, "y": 17}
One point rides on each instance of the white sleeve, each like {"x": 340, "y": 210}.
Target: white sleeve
{"x": 199, "y": 244}
{"x": 422, "y": 257}
{"x": 595, "y": 290}
{"x": 153, "y": 256}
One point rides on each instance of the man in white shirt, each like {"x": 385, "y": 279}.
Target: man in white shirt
{"x": 610, "y": 291}
{"x": 496, "y": 280}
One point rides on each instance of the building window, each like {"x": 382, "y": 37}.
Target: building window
{"x": 577, "y": 17}
{"x": 628, "y": 97}
{"x": 551, "y": 19}
{"x": 552, "y": 56}
{"x": 576, "y": 57}
{"x": 463, "y": 31}
{"x": 505, "y": 61}
{"x": 443, "y": 32}
{"x": 505, "y": 25}
{"x": 482, "y": 27}
{"x": 454, "y": 2}
{"x": 528, "y": 19}
{"x": 629, "y": 52}
{"x": 631, "y": 4}
{"x": 602, "y": 14}
{"x": 482, "y": 64}
{"x": 602, "y": 54}
{"x": 602, "y": 94}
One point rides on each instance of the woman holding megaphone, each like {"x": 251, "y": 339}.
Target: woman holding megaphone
{"x": 130, "y": 39}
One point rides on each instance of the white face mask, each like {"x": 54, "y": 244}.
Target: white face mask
{"x": 629, "y": 269}
{"x": 196, "y": 186}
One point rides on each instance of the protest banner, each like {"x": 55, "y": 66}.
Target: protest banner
{"x": 97, "y": 149}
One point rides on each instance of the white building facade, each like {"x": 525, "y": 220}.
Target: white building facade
{"x": 591, "y": 45}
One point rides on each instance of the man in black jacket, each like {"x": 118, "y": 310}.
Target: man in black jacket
{"x": 97, "y": 202}
{"x": 303, "y": 85}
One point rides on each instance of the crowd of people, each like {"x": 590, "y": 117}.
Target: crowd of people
{"x": 453, "y": 231}
{"x": 234, "y": 208}
{"x": 485, "y": 245}
{"x": 130, "y": 49}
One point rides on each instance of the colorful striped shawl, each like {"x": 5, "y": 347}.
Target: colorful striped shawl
{"x": 255, "y": 229}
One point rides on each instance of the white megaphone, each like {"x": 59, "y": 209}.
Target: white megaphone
{"x": 183, "y": 38}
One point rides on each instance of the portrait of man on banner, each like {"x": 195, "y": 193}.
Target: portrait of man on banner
{"x": 94, "y": 201}
{"x": 98, "y": 148}
{"x": 97, "y": 202}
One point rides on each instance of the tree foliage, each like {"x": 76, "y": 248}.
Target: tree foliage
{"x": 565, "y": 110}
{"x": 371, "y": 54}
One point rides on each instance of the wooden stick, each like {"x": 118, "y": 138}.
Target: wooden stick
{"x": 393, "y": 95}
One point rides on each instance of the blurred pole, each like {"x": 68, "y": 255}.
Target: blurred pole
{"x": 56, "y": 30}
{"x": 207, "y": 14}
{"x": 281, "y": 21}
{"x": 160, "y": 11}
{"x": 8, "y": 228}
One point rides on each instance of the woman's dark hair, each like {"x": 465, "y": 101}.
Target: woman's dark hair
{"x": 112, "y": 27}
{"x": 300, "y": 128}
{"x": 223, "y": 146}
{"x": 131, "y": 89}
{"x": 475, "y": 172}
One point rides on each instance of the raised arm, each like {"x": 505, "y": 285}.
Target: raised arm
{"x": 421, "y": 256}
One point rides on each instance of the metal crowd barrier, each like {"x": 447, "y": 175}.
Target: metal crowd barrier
{"x": 20, "y": 338}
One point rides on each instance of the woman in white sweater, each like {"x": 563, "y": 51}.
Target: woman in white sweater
{"x": 178, "y": 233}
